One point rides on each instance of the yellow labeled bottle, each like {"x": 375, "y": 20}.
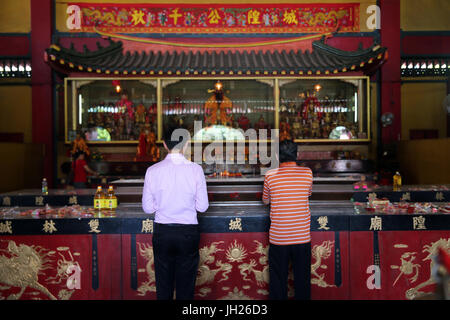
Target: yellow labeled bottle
{"x": 397, "y": 182}
{"x": 111, "y": 199}
{"x": 98, "y": 199}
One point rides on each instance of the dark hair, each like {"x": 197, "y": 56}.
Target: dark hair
{"x": 288, "y": 151}
{"x": 173, "y": 142}
{"x": 77, "y": 154}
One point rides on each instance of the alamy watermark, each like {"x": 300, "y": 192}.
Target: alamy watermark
{"x": 374, "y": 20}
{"x": 262, "y": 148}
{"x": 374, "y": 280}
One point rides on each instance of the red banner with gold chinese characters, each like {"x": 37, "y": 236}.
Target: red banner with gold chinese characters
{"x": 215, "y": 18}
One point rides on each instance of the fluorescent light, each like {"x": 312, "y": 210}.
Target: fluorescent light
{"x": 80, "y": 109}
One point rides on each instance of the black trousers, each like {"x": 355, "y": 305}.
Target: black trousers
{"x": 176, "y": 256}
{"x": 279, "y": 257}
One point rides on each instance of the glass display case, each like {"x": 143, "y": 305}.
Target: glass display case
{"x": 112, "y": 110}
{"x": 221, "y": 108}
{"x": 324, "y": 109}
{"x": 121, "y": 110}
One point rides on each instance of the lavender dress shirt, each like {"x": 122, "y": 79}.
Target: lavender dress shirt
{"x": 175, "y": 189}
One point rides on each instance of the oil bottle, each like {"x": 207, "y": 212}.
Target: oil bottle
{"x": 111, "y": 199}
{"x": 397, "y": 182}
{"x": 99, "y": 199}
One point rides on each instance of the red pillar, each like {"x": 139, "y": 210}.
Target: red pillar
{"x": 390, "y": 72}
{"x": 41, "y": 81}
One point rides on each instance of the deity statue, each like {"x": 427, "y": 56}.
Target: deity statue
{"x": 125, "y": 106}
{"x": 297, "y": 130}
{"x": 327, "y": 118}
{"x": 326, "y": 131}
{"x": 140, "y": 113}
{"x": 121, "y": 127}
{"x": 310, "y": 107}
{"x": 244, "y": 122}
{"x": 261, "y": 124}
{"x": 79, "y": 144}
{"x": 147, "y": 149}
{"x": 285, "y": 130}
{"x": 218, "y": 103}
{"x": 315, "y": 127}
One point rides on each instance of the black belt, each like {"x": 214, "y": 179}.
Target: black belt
{"x": 162, "y": 226}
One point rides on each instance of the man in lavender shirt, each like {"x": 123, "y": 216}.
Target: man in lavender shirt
{"x": 175, "y": 189}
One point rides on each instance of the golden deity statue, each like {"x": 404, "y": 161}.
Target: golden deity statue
{"x": 217, "y": 106}
{"x": 297, "y": 130}
{"x": 315, "y": 127}
{"x": 285, "y": 130}
{"x": 79, "y": 144}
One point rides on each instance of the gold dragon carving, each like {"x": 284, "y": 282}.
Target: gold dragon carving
{"x": 432, "y": 250}
{"x": 261, "y": 276}
{"x": 146, "y": 251}
{"x": 206, "y": 273}
{"x": 320, "y": 253}
{"x": 21, "y": 265}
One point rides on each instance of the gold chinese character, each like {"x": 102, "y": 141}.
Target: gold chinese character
{"x": 73, "y": 200}
{"x": 253, "y": 17}
{"x": 439, "y": 196}
{"x": 49, "y": 226}
{"x": 323, "y": 221}
{"x": 147, "y": 226}
{"x": 137, "y": 17}
{"x": 375, "y": 224}
{"x": 419, "y": 223}
{"x": 39, "y": 201}
{"x": 6, "y": 201}
{"x": 94, "y": 224}
{"x": 235, "y": 224}
{"x": 406, "y": 196}
{"x": 290, "y": 17}
{"x": 6, "y": 227}
{"x": 214, "y": 17}
{"x": 175, "y": 15}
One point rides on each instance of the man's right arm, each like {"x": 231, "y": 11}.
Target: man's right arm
{"x": 147, "y": 198}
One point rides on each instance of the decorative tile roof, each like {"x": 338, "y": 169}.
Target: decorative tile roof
{"x": 111, "y": 60}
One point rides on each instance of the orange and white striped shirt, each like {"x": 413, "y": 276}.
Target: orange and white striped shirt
{"x": 288, "y": 188}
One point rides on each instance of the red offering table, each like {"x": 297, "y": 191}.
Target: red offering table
{"x": 60, "y": 267}
{"x": 80, "y": 255}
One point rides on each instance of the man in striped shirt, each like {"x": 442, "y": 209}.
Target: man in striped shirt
{"x": 287, "y": 189}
